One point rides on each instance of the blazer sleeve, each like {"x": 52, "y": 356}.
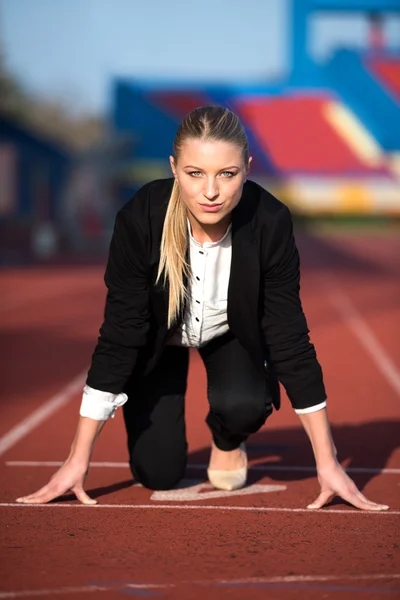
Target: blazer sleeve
{"x": 284, "y": 324}
{"x": 126, "y": 317}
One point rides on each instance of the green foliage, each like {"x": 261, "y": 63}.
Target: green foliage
{"x": 47, "y": 117}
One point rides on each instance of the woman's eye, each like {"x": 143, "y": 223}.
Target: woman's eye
{"x": 225, "y": 174}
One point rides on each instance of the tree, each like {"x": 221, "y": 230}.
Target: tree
{"x": 47, "y": 117}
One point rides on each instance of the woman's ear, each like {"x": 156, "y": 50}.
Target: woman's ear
{"x": 248, "y": 165}
{"x": 172, "y": 163}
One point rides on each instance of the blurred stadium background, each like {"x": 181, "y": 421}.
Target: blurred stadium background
{"x": 325, "y": 140}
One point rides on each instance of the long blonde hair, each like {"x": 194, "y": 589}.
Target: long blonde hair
{"x": 206, "y": 123}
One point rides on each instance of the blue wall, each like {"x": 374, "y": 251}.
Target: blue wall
{"x": 366, "y": 97}
{"x": 34, "y": 155}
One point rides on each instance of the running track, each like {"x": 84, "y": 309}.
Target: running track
{"x": 262, "y": 544}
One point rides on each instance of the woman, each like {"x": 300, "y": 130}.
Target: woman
{"x": 205, "y": 259}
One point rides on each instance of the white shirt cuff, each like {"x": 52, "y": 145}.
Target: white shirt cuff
{"x": 310, "y": 409}
{"x": 99, "y": 405}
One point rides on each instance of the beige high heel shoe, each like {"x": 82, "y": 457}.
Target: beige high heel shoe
{"x": 229, "y": 480}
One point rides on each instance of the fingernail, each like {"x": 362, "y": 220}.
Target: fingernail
{"x": 311, "y": 506}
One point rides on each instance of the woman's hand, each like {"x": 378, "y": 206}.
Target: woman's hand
{"x": 334, "y": 481}
{"x": 70, "y": 477}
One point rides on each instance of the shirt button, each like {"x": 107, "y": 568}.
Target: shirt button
{"x": 198, "y": 278}
{"x": 198, "y": 301}
{"x": 197, "y": 319}
{"x": 201, "y": 252}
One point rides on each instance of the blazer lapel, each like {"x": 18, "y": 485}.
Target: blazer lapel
{"x": 244, "y": 282}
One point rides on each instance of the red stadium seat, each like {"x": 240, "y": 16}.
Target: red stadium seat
{"x": 388, "y": 72}
{"x": 294, "y": 131}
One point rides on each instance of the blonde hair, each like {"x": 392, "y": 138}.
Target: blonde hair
{"x": 206, "y": 123}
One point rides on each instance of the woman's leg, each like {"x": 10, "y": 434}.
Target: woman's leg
{"x": 155, "y": 421}
{"x": 238, "y": 393}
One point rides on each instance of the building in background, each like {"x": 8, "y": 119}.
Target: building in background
{"x": 33, "y": 173}
{"x": 327, "y": 140}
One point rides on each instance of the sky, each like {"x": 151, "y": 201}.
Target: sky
{"x": 71, "y": 49}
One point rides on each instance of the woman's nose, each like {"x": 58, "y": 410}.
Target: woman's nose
{"x": 211, "y": 191}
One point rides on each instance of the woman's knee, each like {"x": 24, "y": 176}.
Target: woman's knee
{"x": 157, "y": 477}
{"x": 244, "y": 417}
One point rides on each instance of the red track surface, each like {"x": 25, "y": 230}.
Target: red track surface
{"x": 192, "y": 549}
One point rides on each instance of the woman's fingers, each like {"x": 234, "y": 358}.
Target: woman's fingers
{"x": 70, "y": 477}
{"x": 383, "y": 506}
{"x": 36, "y": 499}
{"x": 43, "y": 495}
{"x": 46, "y": 494}
{"x": 335, "y": 481}
{"x": 356, "y": 498}
{"x": 352, "y": 494}
{"x": 324, "y": 497}
{"x": 55, "y": 490}
{"x": 82, "y": 496}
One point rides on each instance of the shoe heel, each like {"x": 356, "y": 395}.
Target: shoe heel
{"x": 229, "y": 480}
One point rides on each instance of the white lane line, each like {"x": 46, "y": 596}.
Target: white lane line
{"x": 311, "y": 578}
{"x": 125, "y": 465}
{"x": 85, "y": 589}
{"x": 55, "y": 592}
{"x": 42, "y": 413}
{"x": 326, "y": 511}
{"x": 249, "y": 581}
{"x": 353, "y": 318}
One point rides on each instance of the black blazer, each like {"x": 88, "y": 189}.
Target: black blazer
{"x": 264, "y": 307}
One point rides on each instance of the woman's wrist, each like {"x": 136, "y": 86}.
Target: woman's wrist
{"x": 79, "y": 456}
{"x": 82, "y": 446}
{"x": 324, "y": 452}
{"x": 326, "y": 462}
{"x": 317, "y": 427}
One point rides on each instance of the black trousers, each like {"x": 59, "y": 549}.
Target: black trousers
{"x": 155, "y": 412}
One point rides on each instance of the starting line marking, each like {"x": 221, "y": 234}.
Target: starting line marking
{"x": 193, "y": 492}
{"x": 272, "y": 467}
{"x": 326, "y": 511}
{"x": 289, "y": 579}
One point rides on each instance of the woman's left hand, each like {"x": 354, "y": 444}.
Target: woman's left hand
{"x": 334, "y": 481}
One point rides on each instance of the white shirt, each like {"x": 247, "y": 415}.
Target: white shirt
{"x": 205, "y": 317}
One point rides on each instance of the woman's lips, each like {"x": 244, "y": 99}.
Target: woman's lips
{"x": 211, "y": 207}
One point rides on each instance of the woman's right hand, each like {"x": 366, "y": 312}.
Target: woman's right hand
{"x": 70, "y": 477}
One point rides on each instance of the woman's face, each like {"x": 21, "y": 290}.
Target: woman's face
{"x": 210, "y": 175}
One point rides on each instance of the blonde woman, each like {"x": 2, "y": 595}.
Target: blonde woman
{"x": 206, "y": 260}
